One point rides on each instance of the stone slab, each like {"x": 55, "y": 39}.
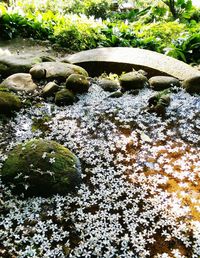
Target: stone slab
{"x": 119, "y": 59}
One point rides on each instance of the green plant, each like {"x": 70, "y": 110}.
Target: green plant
{"x": 97, "y": 8}
{"x": 178, "y": 7}
{"x": 186, "y": 49}
{"x": 12, "y": 25}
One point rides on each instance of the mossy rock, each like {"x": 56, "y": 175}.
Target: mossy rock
{"x": 50, "y": 89}
{"x": 160, "y": 83}
{"x": 53, "y": 70}
{"x": 133, "y": 80}
{"x": 77, "y": 83}
{"x": 159, "y": 102}
{"x": 41, "y": 168}
{"x": 64, "y": 97}
{"x": 109, "y": 85}
{"x": 9, "y": 103}
{"x": 192, "y": 85}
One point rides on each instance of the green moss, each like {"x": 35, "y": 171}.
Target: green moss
{"x": 4, "y": 89}
{"x": 9, "y": 102}
{"x": 45, "y": 167}
{"x": 41, "y": 124}
{"x": 77, "y": 83}
{"x": 64, "y": 97}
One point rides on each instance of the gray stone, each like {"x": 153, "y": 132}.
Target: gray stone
{"x": 119, "y": 59}
{"x": 163, "y": 82}
{"x": 77, "y": 83}
{"x": 192, "y": 85}
{"x": 19, "y": 82}
{"x": 133, "y": 80}
{"x": 10, "y": 64}
{"x": 50, "y": 89}
{"x": 64, "y": 97}
{"x": 52, "y": 70}
{"x": 109, "y": 85}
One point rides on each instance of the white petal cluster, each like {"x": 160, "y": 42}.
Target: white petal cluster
{"x": 141, "y": 181}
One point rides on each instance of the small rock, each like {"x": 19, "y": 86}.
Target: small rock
{"x": 64, "y": 97}
{"x": 50, "y": 89}
{"x": 109, "y": 85}
{"x": 133, "y": 80}
{"x": 116, "y": 94}
{"x": 19, "y": 82}
{"x": 41, "y": 168}
{"x": 192, "y": 85}
{"x": 77, "y": 83}
{"x": 159, "y": 102}
{"x": 9, "y": 103}
{"x": 163, "y": 82}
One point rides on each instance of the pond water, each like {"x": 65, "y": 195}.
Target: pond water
{"x": 140, "y": 195}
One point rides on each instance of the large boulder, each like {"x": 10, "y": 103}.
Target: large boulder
{"x": 53, "y": 70}
{"x": 19, "y": 82}
{"x": 9, "y": 103}
{"x": 10, "y": 64}
{"x": 64, "y": 97}
{"x": 192, "y": 85}
{"x": 41, "y": 168}
{"x": 163, "y": 82}
{"x": 77, "y": 83}
{"x": 133, "y": 80}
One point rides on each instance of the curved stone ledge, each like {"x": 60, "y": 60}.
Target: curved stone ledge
{"x": 119, "y": 59}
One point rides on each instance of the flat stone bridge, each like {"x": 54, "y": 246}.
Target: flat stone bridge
{"x": 119, "y": 59}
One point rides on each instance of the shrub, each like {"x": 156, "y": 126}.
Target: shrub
{"x": 12, "y": 25}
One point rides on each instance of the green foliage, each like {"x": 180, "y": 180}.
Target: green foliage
{"x": 78, "y": 33}
{"x": 13, "y": 25}
{"x": 97, "y": 8}
{"x": 73, "y": 25}
{"x": 178, "y": 7}
{"x": 186, "y": 49}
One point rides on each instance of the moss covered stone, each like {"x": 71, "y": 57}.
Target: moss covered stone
{"x": 109, "y": 85}
{"x": 53, "y": 70}
{"x": 133, "y": 80}
{"x": 64, "y": 97}
{"x": 160, "y": 83}
{"x": 41, "y": 168}
{"x": 192, "y": 85}
{"x": 9, "y": 102}
{"x": 77, "y": 83}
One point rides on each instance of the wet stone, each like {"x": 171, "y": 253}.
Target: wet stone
{"x": 41, "y": 168}
{"x": 163, "y": 82}
{"x": 133, "y": 80}
{"x": 50, "y": 89}
{"x": 192, "y": 85}
{"x": 64, "y": 97}
{"x": 19, "y": 82}
{"x": 109, "y": 85}
{"x": 77, "y": 83}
